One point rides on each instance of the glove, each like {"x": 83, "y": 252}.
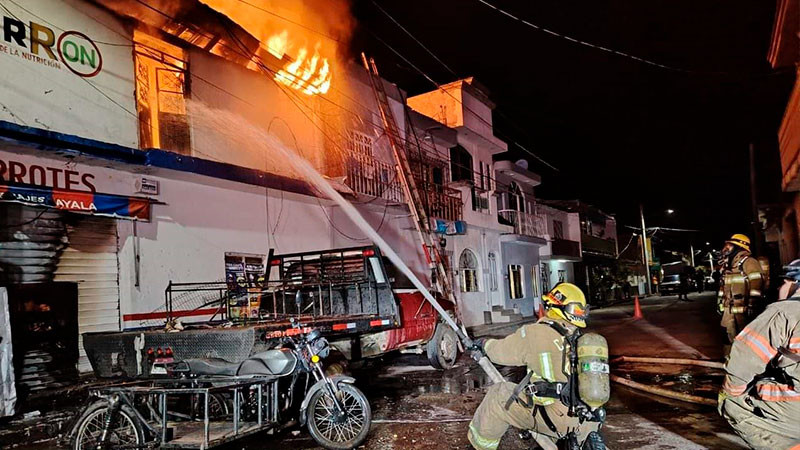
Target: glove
{"x": 477, "y": 350}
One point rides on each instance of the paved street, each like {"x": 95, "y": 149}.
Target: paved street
{"x": 416, "y": 407}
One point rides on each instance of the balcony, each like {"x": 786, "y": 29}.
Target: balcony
{"x": 368, "y": 176}
{"x": 525, "y": 224}
{"x": 565, "y": 249}
{"x": 598, "y": 246}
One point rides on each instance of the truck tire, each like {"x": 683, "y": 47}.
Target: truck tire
{"x": 443, "y": 348}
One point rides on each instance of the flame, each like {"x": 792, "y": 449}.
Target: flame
{"x": 308, "y": 73}
{"x": 277, "y": 44}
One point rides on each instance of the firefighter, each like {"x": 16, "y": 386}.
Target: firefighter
{"x": 538, "y": 404}
{"x": 761, "y": 394}
{"x": 740, "y": 291}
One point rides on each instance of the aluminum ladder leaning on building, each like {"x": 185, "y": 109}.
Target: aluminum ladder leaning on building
{"x": 430, "y": 243}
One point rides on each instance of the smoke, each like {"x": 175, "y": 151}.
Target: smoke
{"x": 308, "y": 22}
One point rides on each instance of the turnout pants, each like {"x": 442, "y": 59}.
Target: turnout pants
{"x": 492, "y": 419}
{"x": 764, "y": 425}
{"x": 733, "y": 324}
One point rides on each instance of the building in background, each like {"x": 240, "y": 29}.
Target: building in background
{"x": 496, "y": 262}
{"x": 599, "y": 248}
{"x": 784, "y": 52}
{"x": 562, "y": 253}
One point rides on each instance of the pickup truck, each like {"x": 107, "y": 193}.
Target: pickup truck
{"x": 345, "y": 293}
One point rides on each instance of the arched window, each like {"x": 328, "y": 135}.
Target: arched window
{"x": 461, "y": 164}
{"x": 468, "y": 266}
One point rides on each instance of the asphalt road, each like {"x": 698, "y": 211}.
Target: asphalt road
{"x": 416, "y": 407}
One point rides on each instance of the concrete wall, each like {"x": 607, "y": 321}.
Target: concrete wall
{"x": 43, "y": 91}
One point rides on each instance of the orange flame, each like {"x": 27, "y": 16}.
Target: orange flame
{"x": 308, "y": 73}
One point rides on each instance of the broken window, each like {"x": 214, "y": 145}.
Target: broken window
{"x": 161, "y": 92}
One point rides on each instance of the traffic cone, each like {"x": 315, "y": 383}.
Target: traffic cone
{"x": 637, "y": 310}
{"x": 540, "y": 313}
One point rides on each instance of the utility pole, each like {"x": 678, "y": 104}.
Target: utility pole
{"x": 645, "y": 259}
{"x": 691, "y": 252}
{"x": 754, "y": 201}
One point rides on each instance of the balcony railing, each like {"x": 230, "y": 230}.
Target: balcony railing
{"x": 598, "y": 246}
{"x": 442, "y": 202}
{"x": 369, "y": 176}
{"x": 526, "y": 224}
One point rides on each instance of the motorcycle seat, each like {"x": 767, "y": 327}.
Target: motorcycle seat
{"x": 211, "y": 366}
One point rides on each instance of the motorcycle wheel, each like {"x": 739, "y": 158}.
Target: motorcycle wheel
{"x": 126, "y": 433}
{"x": 339, "y": 433}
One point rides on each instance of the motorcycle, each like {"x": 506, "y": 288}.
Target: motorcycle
{"x": 202, "y": 403}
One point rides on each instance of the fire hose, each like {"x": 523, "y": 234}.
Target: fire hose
{"x": 388, "y": 251}
{"x": 676, "y": 361}
{"x": 664, "y": 392}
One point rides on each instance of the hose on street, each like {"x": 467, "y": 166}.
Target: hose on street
{"x": 677, "y": 361}
{"x": 664, "y": 392}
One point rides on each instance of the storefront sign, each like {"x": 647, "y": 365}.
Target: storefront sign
{"x": 18, "y": 172}
{"x": 68, "y": 68}
{"x": 83, "y": 202}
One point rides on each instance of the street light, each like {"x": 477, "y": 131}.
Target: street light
{"x": 670, "y": 211}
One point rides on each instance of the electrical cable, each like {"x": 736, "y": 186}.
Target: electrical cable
{"x": 438, "y": 86}
{"x": 412, "y": 37}
{"x": 606, "y": 49}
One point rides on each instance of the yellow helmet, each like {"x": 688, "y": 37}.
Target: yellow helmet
{"x": 740, "y": 240}
{"x": 567, "y": 302}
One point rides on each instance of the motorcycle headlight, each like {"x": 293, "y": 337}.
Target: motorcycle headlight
{"x": 321, "y": 347}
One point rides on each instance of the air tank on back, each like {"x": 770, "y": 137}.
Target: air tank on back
{"x": 593, "y": 383}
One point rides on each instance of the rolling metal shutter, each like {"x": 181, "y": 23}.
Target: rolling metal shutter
{"x": 91, "y": 261}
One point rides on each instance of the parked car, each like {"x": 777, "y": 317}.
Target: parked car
{"x": 671, "y": 285}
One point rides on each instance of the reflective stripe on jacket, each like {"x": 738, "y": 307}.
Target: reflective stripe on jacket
{"x": 757, "y": 346}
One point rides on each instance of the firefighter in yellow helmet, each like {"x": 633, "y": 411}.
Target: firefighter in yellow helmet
{"x": 547, "y": 404}
{"x": 740, "y": 291}
{"x": 761, "y": 394}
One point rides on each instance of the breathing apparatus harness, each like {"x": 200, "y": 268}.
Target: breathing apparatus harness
{"x": 566, "y": 393}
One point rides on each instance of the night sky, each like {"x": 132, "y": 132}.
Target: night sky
{"x": 620, "y": 131}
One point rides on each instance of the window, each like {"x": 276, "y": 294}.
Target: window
{"x": 516, "y": 201}
{"x": 492, "y": 271}
{"x": 515, "y": 281}
{"x": 545, "y": 271}
{"x": 461, "y": 164}
{"x": 480, "y": 200}
{"x": 535, "y": 280}
{"x": 562, "y": 276}
{"x": 468, "y": 266}
{"x": 161, "y": 91}
{"x": 558, "y": 229}
{"x": 360, "y": 144}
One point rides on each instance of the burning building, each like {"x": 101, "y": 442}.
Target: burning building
{"x": 128, "y": 161}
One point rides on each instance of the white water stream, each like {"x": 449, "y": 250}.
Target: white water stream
{"x": 256, "y": 138}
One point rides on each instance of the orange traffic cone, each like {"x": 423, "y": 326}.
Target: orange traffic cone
{"x": 637, "y": 310}
{"x": 540, "y": 313}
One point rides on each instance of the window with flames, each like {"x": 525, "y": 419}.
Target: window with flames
{"x": 161, "y": 91}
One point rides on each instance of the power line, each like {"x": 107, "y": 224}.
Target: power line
{"x": 412, "y": 37}
{"x": 291, "y": 21}
{"x": 438, "y": 86}
{"x": 607, "y": 49}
